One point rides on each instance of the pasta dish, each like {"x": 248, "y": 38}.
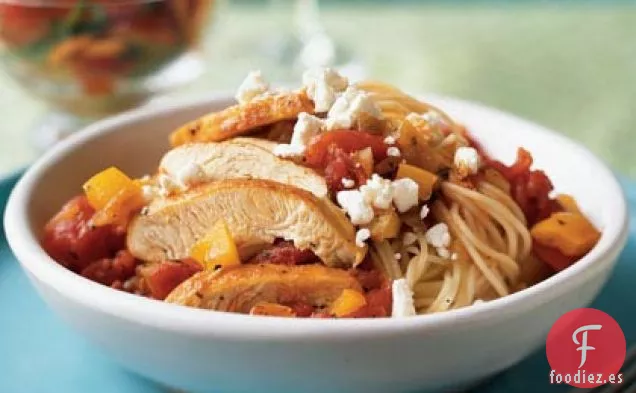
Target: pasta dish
{"x": 335, "y": 200}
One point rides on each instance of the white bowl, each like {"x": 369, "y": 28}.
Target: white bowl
{"x": 199, "y": 350}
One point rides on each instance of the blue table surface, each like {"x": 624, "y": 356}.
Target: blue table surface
{"x": 40, "y": 354}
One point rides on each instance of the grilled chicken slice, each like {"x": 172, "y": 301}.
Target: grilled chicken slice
{"x": 239, "y": 288}
{"x": 242, "y": 119}
{"x": 256, "y": 212}
{"x": 262, "y": 143}
{"x": 241, "y": 159}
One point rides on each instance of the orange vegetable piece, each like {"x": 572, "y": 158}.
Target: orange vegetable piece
{"x": 272, "y": 309}
{"x": 568, "y": 203}
{"x": 570, "y": 233}
{"x": 217, "y": 248}
{"x": 425, "y": 180}
{"x": 114, "y": 196}
{"x": 104, "y": 186}
{"x": 348, "y": 302}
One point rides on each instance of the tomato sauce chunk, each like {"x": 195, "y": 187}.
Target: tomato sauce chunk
{"x": 529, "y": 188}
{"x": 111, "y": 271}
{"x": 340, "y": 166}
{"x": 317, "y": 155}
{"x": 163, "y": 277}
{"x": 379, "y": 304}
{"x": 284, "y": 253}
{"x": 71, "y": 240}
{"x": 331, "y": 153}
{"x": 552, "y": 256}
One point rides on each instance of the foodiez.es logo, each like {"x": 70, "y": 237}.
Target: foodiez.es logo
{"x": 585, "y": 348}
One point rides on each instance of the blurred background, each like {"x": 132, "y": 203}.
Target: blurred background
{"x": 569, "y": 65}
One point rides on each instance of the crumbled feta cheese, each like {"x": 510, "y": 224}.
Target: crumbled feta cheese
{"x": 307, "y": 126}
{"x": 393, "y": 152}
{"x": 405, "y": 194}
{"x": 347, "y": 109}
{"x": 443, "y": 252}
{"x": 467, "y": 159}
{"x": 389, "y": 140}
{"x": 454, "y": 256}
{"x": 360, "y": 212}
{"x": 409, "y": 238}
{"x": 438, "y": 235}
{"x": 253, "y": 85}
{"x": 378, "y": 192}
{"x": 397, "y": 256}
{"x": 361, "y": 236}
{"x": 323, "y": 85}
{"x": 424, "y": 212}
{"x": 348, "y": 183}
{"x": 403, "y": 305}
{"x": 190, "y": 173}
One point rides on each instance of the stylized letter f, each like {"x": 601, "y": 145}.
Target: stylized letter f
{"x": 584, "y": 347}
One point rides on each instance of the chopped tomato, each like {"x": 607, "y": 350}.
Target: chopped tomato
{"x": 284, "y": 253}
{"x": 341, "y": 165}
{"x": 379, "y": 304}
{"x": 331, "y": 153}
{"x": 529, "y": 188}
{"x": 552, "y": 256}
{"x": 348, "y": 141}
{"x": 302, "y": 310}
{"x": 163, "y": 277}
{"x": 71, "y": 240}
{"x": 369, "y": 279}
{"x": 520, "y": 167}
{"x": 110, "y": 271}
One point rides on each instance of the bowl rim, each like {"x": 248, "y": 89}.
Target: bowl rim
{"x": 25, "y": 244}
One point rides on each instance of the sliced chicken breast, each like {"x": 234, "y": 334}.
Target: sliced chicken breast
{"x": 243, "y": 119}
{"x": 256, "y": 212}
{"x": 241, "y": 158}
{"x": 239, "y": 288}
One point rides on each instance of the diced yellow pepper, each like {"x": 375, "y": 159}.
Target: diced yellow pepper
{"x": 570, "y": 233}
{"x": 272, "y": 309}
{"x": 425, "y": 180}
{"x": 217, "y": 248}
{"x": 385, "y": 225}
{"x": 568, "y": 203}
{"x": 119, "y": 209}
{"x": 348, "y": 302}
{"x": 114, "y": 196}
{"x": 106, "y": 185}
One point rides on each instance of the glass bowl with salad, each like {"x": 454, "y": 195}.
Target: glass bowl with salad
{"x": 91, "y": 58}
